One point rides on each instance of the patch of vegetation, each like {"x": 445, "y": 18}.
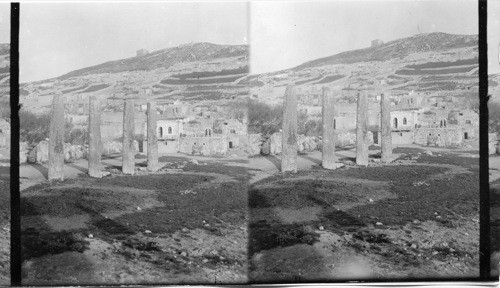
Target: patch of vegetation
{"x": 74, "y": 89}
{"x": 431, "y": 65}
{"x": 434, "y": 72}
{"x": 263, "y": 237}
{"x": 206, "y": 74}
{"x": 330, "y": 78}
{"x": 94, "y": 88}
{"x": 190, "y": 81}
{"x": 36, "y": 245}
{"x": 308, "y": 80}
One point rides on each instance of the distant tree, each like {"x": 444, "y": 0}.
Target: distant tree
{"x": 262, "y": 118}
{"x": 5, "y": 109}
{"x": 33, "y": 127}
{"x": 494, "y": 117}
{"x": 238, "y": 110}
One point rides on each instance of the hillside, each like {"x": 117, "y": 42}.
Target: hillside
{"x": 433, "y": 63}
{"x": 397, "y": 49}
{"x": 164, "y": 59}
{"x": 4, "y": 70}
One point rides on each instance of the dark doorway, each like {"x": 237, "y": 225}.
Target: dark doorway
{"x": 230, "y": 145}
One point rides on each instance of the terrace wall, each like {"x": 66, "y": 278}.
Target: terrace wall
{"x": 206, "y": 146}
{"x": 441, "y": 137}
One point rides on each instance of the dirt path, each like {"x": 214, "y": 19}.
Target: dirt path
{"x": 148, "y": 228}
{"x": 317, "y": 236}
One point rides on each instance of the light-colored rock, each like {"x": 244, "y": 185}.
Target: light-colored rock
{"x": 42, "y": 152}
{"x": 23, "y": 152}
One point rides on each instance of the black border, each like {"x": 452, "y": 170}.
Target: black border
{"x": 484, "y": 193}
{"x": 15, "y": 214}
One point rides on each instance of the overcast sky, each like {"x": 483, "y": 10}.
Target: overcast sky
{"x": 493, "y": 36}
{"x": 56, "y": 38}
{"x": 286, "y": 34}
{"x": 4, "y": 22}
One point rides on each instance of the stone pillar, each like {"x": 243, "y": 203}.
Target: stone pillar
{"x": 56, "y": 139}
{"x": 289, "y": 135}
{"x": 362, "y": 130}
{"x": 385, "y": 125}
{"x": 329, "y": 137}
{"x": 152, "y": 138}
{"x": 95, "y": 168}
{"x": 128, "y": 149}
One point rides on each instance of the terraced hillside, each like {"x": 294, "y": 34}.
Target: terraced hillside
{"x": 436, "y": 63}
{"x": 4, "y": 70}
{"x": 192, "y": 72}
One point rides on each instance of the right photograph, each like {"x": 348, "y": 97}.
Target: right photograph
{"x": 494, "y": 131}
{"x": 367, "y": 115}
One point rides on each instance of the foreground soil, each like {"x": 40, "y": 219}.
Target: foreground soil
{"x": 415, "y": 218}
{"x": 184, "y": 224}
{"x": 4, "y": 224}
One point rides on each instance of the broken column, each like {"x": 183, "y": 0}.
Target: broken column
{"x": 152, "y": 138}
{"x": 95, "y": 168}
{"x": 385, "y": 125}
{"x": 56, "y": 139}
{"x": 289, "y": 137}
{"x": 329, "y": 137}
{"x": 362, "y": 130}
{"x": 128, "y": 149}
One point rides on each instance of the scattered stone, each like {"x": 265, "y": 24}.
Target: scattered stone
{"x": 183, "y": 254}
{"x": 193, "y": 161}
{"x": 205, "y": 260}
{"x": 91, "y": 236}
{"x": 321, "y": 228}
{"x": 105, "y": 173}
{"x": 214, "y": 252}
{"x": 148, "y": 231}
{"x": 185, "y": 230}
{"x": 139, "y": 208}
{"x": 429, "y": 153}
{"x": 379, "y": 224}
{"x": 416, "y": 221}
{"x": 435, "y": 252}
{"x": 207, "y": 225}
{"x": 370, "y": 200}
{"x": 414, "y": 246}
{"x": 438, "y": 217}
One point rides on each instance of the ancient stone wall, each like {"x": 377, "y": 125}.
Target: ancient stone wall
{"x": 441, "y": 137}
{"x": 206, "y": 146}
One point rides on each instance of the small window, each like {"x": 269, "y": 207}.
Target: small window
{"x": 404, "y": 121}
{"x": 169, "y": 130}
{"x": 401, "y": 134}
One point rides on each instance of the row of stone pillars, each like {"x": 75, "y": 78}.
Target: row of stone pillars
{"x": 329, "y": 159}
{"x": 56, "y": 139}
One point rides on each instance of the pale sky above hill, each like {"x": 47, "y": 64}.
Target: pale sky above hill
{"x": 493, "y": 36}
{"x": 4, "y": 22}
{"x": 56, "y": 38}
{"x": 286, "y": 34}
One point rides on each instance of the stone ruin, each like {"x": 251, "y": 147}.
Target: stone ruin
{"x": 329, "y": 137}
{"x": 56, "y": 153}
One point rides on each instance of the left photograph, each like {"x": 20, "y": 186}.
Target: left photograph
{"x": 133, "y": 143}
{"x": 4, "y": 144}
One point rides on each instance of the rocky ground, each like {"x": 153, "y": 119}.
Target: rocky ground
{"x": 417, "y": 217}
{"x": 185, "y": 226}
{"x": 494, "y": 162}
{"x": 4, "y": 217}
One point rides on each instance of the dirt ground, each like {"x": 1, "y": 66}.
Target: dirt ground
{"x": 185, "y": 226}
{"x": 201, "y": 221}
{"x": 494, "y": 162}
{"x": 4, "y": 217}
{"x": 415, "y": 218}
